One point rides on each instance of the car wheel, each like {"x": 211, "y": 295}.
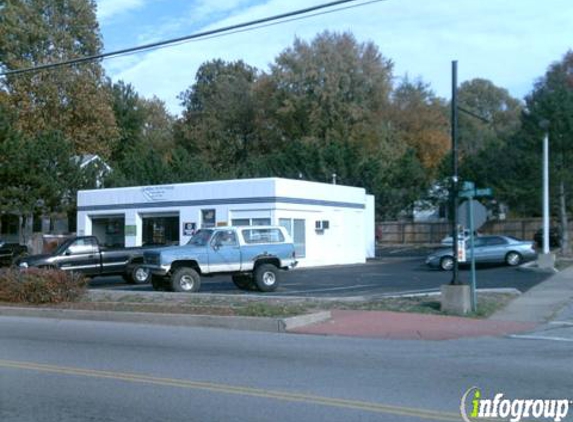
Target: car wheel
{"x": 447, "y": 263}
{"x": 266, "y": 277}
{"x": 138, "y": 275}
{"x": 244, "y": 282}
{"x": 513, "y": 258}
{"x": 185, "y": 280}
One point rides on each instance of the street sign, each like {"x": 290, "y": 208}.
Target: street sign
{"x": 475, "y": 193}
{"x": 467, "y": 186}
{"x": 484, "y": 192}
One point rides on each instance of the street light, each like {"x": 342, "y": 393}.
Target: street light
{"x": 546, "y": 259}
{"x": 455, "y": 179}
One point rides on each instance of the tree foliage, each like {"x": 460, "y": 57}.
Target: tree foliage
{"x": 491, "y": 103}
{"x": 38, "y": 175}
{"x": 68, "y": 99}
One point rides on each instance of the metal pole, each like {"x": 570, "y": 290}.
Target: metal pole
{"x": 454, "y": 191}
{"x": 473, "y": 261}
{"x": 546, "y": 193}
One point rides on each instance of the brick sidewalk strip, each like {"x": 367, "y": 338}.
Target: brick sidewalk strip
{"x": 406, "y": 326}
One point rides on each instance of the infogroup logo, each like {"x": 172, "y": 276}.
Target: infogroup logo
{"x": 474, "y": 407}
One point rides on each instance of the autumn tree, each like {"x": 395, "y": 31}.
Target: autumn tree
{"x": 421, "y": 120}
{"x": 332, "y": 88}
{"x": 70, "y": 99}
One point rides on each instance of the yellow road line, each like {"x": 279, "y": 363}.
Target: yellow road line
{"x": 239, "y": 390}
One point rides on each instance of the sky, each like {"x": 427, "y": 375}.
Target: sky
{"x": 510, "y": 42}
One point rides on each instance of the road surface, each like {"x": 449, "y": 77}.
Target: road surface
{"x": 65, "y": 371}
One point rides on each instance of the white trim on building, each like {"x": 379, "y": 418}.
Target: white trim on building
{"x": 330, "y": 224}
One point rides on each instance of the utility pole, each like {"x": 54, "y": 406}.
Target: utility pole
{"x": 546, "y": 192}
{"x": 454, "y": 185}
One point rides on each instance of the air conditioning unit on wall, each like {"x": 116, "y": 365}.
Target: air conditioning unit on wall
{"x": 321, "y": 225}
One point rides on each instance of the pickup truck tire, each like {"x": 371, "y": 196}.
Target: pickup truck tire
{"x": 266, "y": 277}
{"x": 244, "y": 282}
{"x": 138, "y": 274}
{"x": 185, "y": 280}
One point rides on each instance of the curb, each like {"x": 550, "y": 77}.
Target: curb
{"x": 532, "y": 267}
{"x": 269, "y": 325}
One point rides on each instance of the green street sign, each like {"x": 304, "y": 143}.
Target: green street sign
{"x": 468, "y": 186}
{"x": 466, "y": 194}
{"x": 484, "y": 192}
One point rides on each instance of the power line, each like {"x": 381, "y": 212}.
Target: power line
{"x": 241, "y": 27}
{"x": 255, "y": 27}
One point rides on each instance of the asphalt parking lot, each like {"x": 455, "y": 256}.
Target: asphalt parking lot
{"x": 386, "y": 275}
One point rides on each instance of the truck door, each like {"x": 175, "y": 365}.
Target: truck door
{"x": 81, "y": 256}
{"x": 224, "y": 252}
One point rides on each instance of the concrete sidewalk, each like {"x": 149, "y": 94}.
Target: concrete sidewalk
{"x": 544, "y": 302}
{"x": 541, "y": 303}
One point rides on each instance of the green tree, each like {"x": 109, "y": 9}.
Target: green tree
{"x": 552, "y": 100}
{"x": 219, "y": 117}
{"x": 142, "y": 123}
{"x": 70, "y": 99}
{"x": 492, "y": 103}
{"x": 38, "y": 177}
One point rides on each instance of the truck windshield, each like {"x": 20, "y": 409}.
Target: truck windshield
{"x": 201, "y": 238}
{"x": 62, "y": 248}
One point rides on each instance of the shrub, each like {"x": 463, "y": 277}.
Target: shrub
{"x": 35, "y": 285}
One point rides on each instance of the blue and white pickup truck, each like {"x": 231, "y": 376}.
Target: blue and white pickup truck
{"x": 252, "y": 255}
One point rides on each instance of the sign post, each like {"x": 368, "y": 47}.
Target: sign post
{"x": 470, "y": 192}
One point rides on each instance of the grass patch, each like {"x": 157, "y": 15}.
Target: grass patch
{"x": 271, "y": 310}
{"x": 488, "y": 303}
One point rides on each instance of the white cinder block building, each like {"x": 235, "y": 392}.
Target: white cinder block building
{"x": 329, "y": 224}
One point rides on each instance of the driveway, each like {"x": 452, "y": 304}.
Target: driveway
{"x": 383, "y": 276}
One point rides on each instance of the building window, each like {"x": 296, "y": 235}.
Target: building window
{"x": 250, "y": 222}
{"x": 208, "y": 218}
{"x": 296, "y": 228}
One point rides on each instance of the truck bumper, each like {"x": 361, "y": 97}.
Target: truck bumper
{"x": 158, "y": 271}
{"x": 292, "y": 265}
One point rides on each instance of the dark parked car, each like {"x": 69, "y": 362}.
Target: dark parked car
{"x": 10, "y": 252}
{"x": 488, "y": 249}
{"x": 84, "y": 255}
{"x": 554, "y": 237}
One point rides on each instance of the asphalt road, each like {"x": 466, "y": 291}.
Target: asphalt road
{"x": 385, "y": 276}
{"x": 54, "y": 370}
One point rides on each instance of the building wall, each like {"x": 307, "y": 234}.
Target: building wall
{"x": 349, "y": 239}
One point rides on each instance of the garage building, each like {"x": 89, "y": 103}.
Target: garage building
{"x": 330, "y": 224}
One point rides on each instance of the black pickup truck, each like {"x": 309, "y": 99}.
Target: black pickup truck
{"x": 9, "y": 252}
{"x": 84, "y": 255}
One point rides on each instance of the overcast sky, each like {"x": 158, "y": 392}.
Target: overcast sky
{"x": 510, "y": 42}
